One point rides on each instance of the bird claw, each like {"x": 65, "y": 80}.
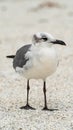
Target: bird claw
{"x": 27, "y": 107}
{"x": 47, "y": 109}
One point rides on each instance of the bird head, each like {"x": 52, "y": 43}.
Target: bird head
{"x": 41, "y": 37}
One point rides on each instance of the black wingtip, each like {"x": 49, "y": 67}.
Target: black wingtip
{"x": 10, "y": 56}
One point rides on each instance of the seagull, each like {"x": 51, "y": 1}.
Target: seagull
{"x": 37, "y": 61}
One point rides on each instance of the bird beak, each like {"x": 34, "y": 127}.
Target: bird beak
{"x": 59, "y": 42}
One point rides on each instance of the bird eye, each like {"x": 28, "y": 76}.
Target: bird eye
{"x": 45, "y": 38}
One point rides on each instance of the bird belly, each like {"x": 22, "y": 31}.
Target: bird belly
{"x": 41, "y": 66}
{"x": 40, "y": 71}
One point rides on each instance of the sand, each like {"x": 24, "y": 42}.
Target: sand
{"x": 19, "y": 20}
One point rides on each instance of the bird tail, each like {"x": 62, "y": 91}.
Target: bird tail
{"x": 10, "y": 56}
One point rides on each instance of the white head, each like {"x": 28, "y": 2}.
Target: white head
{"x": 45, "y": 37}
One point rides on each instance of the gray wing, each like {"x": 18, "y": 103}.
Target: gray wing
{"x": 20, "y": 60}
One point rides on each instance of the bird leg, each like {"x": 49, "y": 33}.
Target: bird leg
{"x": 27, "y": 106}
{"x": 45, "y": 100}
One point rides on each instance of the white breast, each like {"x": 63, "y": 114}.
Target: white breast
{"x": 42, "y": 63}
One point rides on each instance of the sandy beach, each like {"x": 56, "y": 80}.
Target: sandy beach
{"x": 19, "y": 20}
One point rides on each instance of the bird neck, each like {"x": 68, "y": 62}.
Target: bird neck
{"x": 42, "y": 45}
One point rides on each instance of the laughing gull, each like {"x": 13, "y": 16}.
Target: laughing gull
{"x": 37, "y": 61}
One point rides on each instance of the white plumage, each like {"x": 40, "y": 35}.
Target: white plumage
{"x": 42, "y": 62}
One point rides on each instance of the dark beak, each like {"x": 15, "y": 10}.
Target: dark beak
{"x": 59, "y": 42}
